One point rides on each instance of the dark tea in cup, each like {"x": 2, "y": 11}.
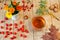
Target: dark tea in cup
{"x": 38, "y": 22}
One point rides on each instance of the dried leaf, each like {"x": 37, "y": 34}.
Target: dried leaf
{"x": 52, "y": 34}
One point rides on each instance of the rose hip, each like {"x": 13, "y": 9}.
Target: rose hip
{"x": 14, "y": 37}
{"x": 5, "y": 36}
{"x": 18, "y": 29}
{"x": 6, "y": 18}
{"x": 10, "y": 32}
{"x": 15, "y": 33}
{"x": 10, "y": 29}
{"x": 2, "y": 32}
{"x": 21, "y": 35}
{"x": 2, "y": 21}
{"x": 7, "y": 25}
{"x": 23, "y": 1}
{"x": 15, "y": 24}
{"x": 32, "y": 5}
{"x": 21, "y": 22}
{"x": 7, "y": 28}
{"x": 7, "y": 32}
{"x": 22, "y": 26}
{"x": 10, "y": 24}
{"x": 22, "y": 29}
{"x": 24, "y": 36}
{"x": 26, "y": 31}
{"x": 2, "y": 27}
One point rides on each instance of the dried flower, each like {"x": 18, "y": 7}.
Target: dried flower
{"x": 6, "y": 7}
{"x": 11, "y": 10}
{"x": 9, "y": 15}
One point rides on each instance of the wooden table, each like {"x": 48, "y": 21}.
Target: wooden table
{"x": 32, "y": 35}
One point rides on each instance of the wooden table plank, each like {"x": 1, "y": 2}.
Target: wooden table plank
{"x": 32, "y": 35}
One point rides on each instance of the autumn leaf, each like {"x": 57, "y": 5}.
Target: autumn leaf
{"x": 52, "y": 34}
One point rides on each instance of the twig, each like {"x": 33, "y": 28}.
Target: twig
{"x": 59, "y": 3}
{"x": 53, "y": 16}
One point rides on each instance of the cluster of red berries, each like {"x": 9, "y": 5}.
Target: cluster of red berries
{"x": 5, "y": 19}
{"x": 9, "y": 29}
{"x": 26, "y": 7}
{"x": 22, "y": 29}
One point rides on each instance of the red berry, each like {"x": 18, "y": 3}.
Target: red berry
{"x": 32, "y": 5}
{"x": 23, "y": 1}
{"x": 15, "y": 24}
{"x": 2, "y": 32}
{"x": 5, "y": 36}
{"x": 5, "y": 4}
{"x": 10, "y": 29}
{"x": 24, "y": 9}
{"x": 7, "y": 28}
{"x": 25, "y": 36}
{"x": 1, "y": 8}
{"x": 2, "y": 27}
{"x": 14, "y": 37}
{"x": 26, "y": 31}
{"x": 7, "y": 32}
{"x": 10, "y": 32}
{"x": 2, "y": 21}
{"x": 21, "y": 22}
{"x": 22, "y": 26}
{"x": 28, "y": 10}
{"x": 7, "y": 25}
{"x": 21, "y": 35}
{"x": 15, "y": 33}
{"x": 6, "y": 18}
{"x": 10, "y": 24}
{"x": 22, "y": 29}
{"x": 18, "y": 29}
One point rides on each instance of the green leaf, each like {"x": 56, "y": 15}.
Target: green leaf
{"x": 42, "y": 7}
{"x": 16, "y": 12}
{"x": 43, "y": 1}
{"x": 18, "y": 3}
{"x": 13, "y": 5}
{"x": 39, "y": 11}
{"x": 10, "y": 5}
